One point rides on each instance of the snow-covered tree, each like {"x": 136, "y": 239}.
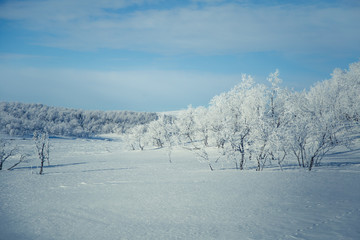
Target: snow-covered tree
{"x": 239, "y": 107}
{"x": 6, "y": 151}
{"x": 315, "y": 127}
{"x": 278, "y": 119}
{"x": 156, "y": 133}
{"x": 136, "y": 137}
{"x": 186, "y": 124}
{"x": 163, "y": 133}
{"x": 344, "y": 88}
{"x": 171, "y": 133}
{"x": 203, "y": 121}
{"x": 194, "y": 132}
{"x": 42, "y": 144}
{"x": 22, "y": 158}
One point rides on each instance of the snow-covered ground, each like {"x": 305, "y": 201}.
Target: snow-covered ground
{"x": 96, "y": 189}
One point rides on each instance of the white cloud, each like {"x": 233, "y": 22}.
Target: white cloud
{"x": 211, "y": 29}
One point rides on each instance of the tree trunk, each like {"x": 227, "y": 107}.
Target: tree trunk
{"x": 206, "y": 142}
{"x": 42, "y": 166}
{"x": 258, "y": 165}
{"x": 11, "y": 168}
{"x": 298, "y": 159}
{"x": 211, "y": 168}
{"x": 242, "y": 161}
{"x": 311, "y": 164}
{"x": 169, "y": 155}
{"x": 281, "y": 168}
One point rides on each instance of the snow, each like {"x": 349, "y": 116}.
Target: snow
{"x": 97, "y": 189}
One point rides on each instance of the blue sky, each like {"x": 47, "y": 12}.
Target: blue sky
{"x": 157, "y": 55}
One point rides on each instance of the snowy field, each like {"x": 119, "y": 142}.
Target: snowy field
{"x": 97, "y": 189}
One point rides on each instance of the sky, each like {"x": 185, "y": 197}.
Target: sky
{"x": 163, "y": 55}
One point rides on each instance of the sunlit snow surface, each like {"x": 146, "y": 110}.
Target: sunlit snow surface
{"x": 96, "y": 189}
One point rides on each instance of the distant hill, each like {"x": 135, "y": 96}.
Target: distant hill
{"x": 22, "y": 119}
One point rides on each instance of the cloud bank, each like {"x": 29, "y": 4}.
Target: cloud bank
{"x": 208, "y": 28}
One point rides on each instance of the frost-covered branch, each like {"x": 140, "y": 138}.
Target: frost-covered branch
{"x": 6, "y": 151}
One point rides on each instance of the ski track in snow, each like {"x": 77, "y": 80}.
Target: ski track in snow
{"x": 96, "y": 189}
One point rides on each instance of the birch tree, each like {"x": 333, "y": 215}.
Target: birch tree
{"x": 136, "y": 137}
{"x": 42, "y": 144}
{"x": 237, "y": 113}
{"x": 6, "y": 151}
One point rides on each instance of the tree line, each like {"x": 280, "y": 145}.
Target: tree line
{"x": 22, "y": 119}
